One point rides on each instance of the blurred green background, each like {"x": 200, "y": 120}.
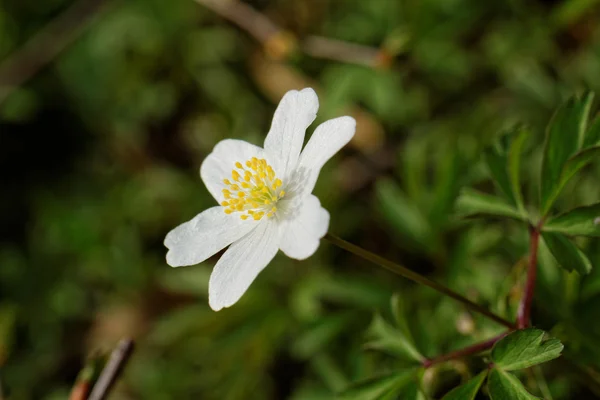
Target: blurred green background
{"x": 99, "y": 159}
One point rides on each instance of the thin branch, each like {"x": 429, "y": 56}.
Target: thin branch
{"x": 338, "y": 50}
{"x": 282, "y": 42}
{"x": 464, "y": 352}
{"x": 111, "y": 371}
{"x": 413, "y": 276}
{"x": 524, "y": 311}
{"x": 244, "y": 16}
{"x": 40, "y": 50}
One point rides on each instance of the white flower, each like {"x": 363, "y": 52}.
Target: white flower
{"x": 265, "y": 200}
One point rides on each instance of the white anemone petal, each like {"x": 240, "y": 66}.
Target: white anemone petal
{"x": 296, "y": 111}
{"x": 241, "y": 264}
{"x": 328, "y": 139}
{"x": 304, "y": 228}
{"x": 204, "y": 235}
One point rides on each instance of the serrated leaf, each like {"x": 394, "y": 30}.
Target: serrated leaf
{"x": 568, "y": 256}
{"x": 386, "y": 338}
{"x": 580, "y": 221}
{"x": 505, "y": 386}
{"x": 564, "y": 137}
{"x": 524, "y": 348}
{"x": 377, "y": 388}
{"x": 572, "y": 166}
{"x": 467, "y": 391}
{"x": 472, "y": 203}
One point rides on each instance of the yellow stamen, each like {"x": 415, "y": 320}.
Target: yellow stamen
{"x": 253, "y": 190}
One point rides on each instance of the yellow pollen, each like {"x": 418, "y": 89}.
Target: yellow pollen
{"x": 253, "y": 190}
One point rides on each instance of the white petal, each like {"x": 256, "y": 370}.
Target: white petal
{"x": 296, "y": 111}
{"x": 207, "y": 233}
{"x": 302, "y": 232}
{"x": 328, "y": 139}
{"x": 219, "y": 164}
{"x": 241, "y": 263}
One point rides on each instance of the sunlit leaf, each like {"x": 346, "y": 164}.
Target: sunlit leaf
{"x": 524, "y": 348}
{"x": 581, "y": 221}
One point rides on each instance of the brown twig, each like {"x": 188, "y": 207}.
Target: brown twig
{"x": 466, "y": 351}
{"x": 280, "y": 43}
{"x": 524, "y": 310}
{"x": 111, "y": 371}
{"x": 23, "y": 64}
{"x": 245, "y": 17}
{"x": 339, "y": 50}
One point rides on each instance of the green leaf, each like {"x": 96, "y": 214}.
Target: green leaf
{"x": 412, "y": 391}
{"x": 496, "y": 159}
{"x": 524, "y": 348}
{"x": 592, "y": 136}
{"x": 472, "y": 203}
{"x": 580, "y": 221}
{"x": 388, "y": 339}
{"x": 564, "y": 138}
{"x": 566, "y": 253}
{"x": 467, "y": 391}
{"x": 403, "y": 214}
{"x": 399, "y": 314}
{"x": 572, "y": 166}
{"x": 505, "y": 386}
{"x": 385, "y": 386}
{"x": 514, "y": 168}
{"x": 503, "y": 160}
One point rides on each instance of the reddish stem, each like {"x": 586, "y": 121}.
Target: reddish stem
{"x": 524, "y": 311}
{"x": 467, "y": 351}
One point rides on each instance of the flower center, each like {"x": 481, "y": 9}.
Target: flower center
{"x": 253, "y": 191}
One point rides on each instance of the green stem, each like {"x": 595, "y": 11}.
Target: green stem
{"x": 413, "y": 276}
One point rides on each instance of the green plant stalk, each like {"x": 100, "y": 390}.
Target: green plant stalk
{"x": 465, "y": 351}
{"x": 415, "y": 277}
